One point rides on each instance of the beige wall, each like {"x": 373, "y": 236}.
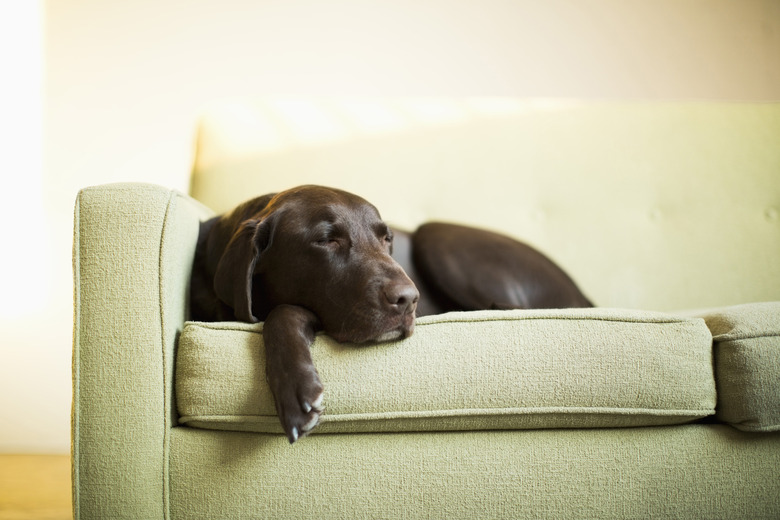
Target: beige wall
{"x": 124, "y": 81}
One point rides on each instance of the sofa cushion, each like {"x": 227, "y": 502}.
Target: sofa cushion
{"x": 747, "y": 365}
{"x": 467, "y": 371}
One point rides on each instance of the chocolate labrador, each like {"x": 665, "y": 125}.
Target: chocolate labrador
{"x": 319, "y": 259}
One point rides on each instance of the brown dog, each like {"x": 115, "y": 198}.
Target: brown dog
{"x": 315, "y": 258}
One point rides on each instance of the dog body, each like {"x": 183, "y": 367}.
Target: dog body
{"x": 314, "y": 258}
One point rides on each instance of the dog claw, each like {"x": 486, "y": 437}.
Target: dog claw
{"x": 306, "y": 428}
{"x": 316, "y": 405}
{"x": 294, "y": 435}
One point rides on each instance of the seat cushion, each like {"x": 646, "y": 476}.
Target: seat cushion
{"x": 572, "y": 368}
{"x": 747, "y": 365}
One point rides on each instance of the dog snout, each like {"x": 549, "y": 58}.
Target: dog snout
{"x": 402, "y": 297}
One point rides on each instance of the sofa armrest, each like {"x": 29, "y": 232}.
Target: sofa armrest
{"x": 132, "y": 256}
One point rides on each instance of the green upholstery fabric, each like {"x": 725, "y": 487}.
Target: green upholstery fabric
{"x": 467, "y": 371}
{"x": 132, "y": 251}
{"x": 747, "y": 364}
{"x": 687, "y": 471}
{"x": 661, "y": 206}
{"x": 640, "y": 245}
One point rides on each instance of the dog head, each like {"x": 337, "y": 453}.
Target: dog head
{"x": 323, "y": 249}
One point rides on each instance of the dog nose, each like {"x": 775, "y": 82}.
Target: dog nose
{"x": 402, "y": 297}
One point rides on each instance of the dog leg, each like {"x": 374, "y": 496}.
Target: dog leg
{"x": 288, "y": 333}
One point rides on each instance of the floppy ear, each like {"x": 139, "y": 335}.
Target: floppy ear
{"x": 233, "y": 278}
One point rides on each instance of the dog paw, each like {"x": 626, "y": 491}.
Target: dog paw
{"x": 298, "y": 398}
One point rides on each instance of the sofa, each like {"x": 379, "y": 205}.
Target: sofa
{"x": 661, "y": 402}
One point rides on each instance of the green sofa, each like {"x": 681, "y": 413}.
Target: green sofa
{"x": 663, "y": 402}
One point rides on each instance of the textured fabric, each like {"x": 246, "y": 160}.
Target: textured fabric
{"x": 686, "y": 472}
{"x": 661, "y": 206}
{"x": 747, "y": 365}
{"x": 133, "y": 251}
{"x": 467, "y": 371}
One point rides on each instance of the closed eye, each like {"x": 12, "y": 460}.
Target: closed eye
{"x": 332, "y": 239}
{"x": 325, "y": 234}
{"x": 332, "y": 242}
{"x": 384, "y": 233}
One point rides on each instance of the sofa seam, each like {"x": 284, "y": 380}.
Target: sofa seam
{"x": 75, "y": 412}
{"x": 725, "y": 338}
{"x": 167, "y": 403}
{"x": 561, "y": 318}
{"x": 257, "y": 327}
{"x": 481, "y": 412}
{"x": 744, "y": 426}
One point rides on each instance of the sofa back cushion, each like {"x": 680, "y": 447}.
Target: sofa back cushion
{"x": 661, "y": 206}
{"x": 467, "y": 371}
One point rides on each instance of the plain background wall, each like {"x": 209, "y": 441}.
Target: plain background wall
{"x": 101, "y": 91}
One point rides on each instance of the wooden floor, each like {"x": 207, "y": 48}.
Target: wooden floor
{"x": 35, "y": 487}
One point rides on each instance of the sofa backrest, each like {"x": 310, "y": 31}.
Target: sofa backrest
{"x": 658, "y": 206}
